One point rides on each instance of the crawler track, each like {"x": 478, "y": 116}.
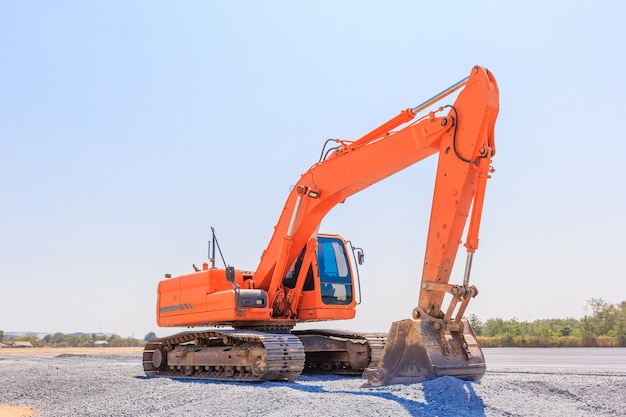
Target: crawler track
{"x": 225, "y": 355}
{"x": 340, "y": 351}
{"x": 252, "y": 355}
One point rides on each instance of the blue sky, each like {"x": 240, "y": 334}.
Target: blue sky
{"x": 129, "y": 128}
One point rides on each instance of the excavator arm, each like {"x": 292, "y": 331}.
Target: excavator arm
{"x": 463, "y": 169}
{"x": 463, "y": 136}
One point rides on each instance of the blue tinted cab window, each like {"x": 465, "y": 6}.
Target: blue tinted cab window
{"x": 334, "y": 271}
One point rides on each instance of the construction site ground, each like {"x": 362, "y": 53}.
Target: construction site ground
{"x": 110, "y": 381}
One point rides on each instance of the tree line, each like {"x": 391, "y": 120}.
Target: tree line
{"x": 603, "y": 326}
{"x": 79, "y": 340}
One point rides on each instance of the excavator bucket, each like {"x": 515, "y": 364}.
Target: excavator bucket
{"x": 418, "y": 350}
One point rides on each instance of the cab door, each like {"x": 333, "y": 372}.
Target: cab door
{"x": 328, "y": 292}
{"x": 334, "y": 272}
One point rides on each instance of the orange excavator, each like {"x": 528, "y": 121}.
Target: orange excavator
{"x": 307, "y": 276}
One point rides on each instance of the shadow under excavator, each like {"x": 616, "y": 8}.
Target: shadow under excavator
{"x": 445, "y": 396}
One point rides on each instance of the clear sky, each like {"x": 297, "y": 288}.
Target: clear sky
{"x": 127, "y": 129}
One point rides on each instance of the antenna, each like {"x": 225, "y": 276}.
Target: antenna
{"x": 212, "y": 247}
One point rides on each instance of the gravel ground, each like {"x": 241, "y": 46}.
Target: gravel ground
{"x": 114, "y": 385}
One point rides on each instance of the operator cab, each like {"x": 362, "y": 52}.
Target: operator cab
{"x": 334, "y": 278}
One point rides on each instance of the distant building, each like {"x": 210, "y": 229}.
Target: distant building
{"x": 12, "y": 344}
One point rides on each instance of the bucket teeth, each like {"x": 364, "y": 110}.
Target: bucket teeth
{"x": 416, "y": 351}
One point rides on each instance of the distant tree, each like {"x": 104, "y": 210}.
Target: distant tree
{"x": 72, "y": 340}
{"x": 116, "y": 340}
{"x": 564, "y": 327}
{"x": 132, "y": 342}
{"x": 1, "y": 335}
{"x": 57, "y": 338}
{"x": 30, "y": 337}
{"x": 84, "y": 340}
{"x": 475, "y": 324}
{"x": 494, "y": 327}
{"x": 149, "y": 336}
{"x": 620, "y": 331}
{"x": 540, "y": 328}
{"x": 603, "y": 315}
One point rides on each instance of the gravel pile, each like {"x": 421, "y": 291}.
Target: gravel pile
{"x": 114, "y": 385}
